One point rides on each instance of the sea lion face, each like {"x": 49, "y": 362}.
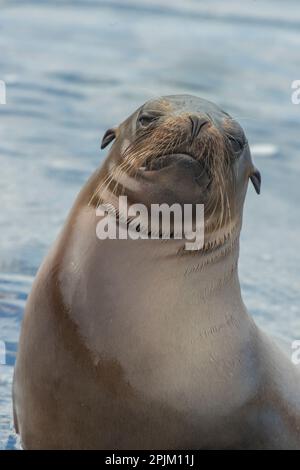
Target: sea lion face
{"x": 182, "y": 149}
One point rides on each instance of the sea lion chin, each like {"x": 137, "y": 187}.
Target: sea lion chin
{"x": 133, "y": 344}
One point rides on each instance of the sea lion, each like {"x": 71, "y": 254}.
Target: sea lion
{"x": 142, "y": 344}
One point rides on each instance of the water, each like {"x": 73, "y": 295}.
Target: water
{"x": 72, "y": 69}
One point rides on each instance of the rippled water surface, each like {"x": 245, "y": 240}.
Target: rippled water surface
{"x": 73, "y": 69}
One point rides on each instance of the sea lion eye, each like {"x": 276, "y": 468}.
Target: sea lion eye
{"x": 236, "y": 144}
{"x": 146, "y": 119}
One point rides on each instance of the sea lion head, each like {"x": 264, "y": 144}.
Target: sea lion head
{"x": 181, "y": 149}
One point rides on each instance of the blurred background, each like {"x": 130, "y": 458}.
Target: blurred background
{"x": 74, "y": 68}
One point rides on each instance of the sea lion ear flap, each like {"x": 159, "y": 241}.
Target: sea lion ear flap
{"x": 108, "y": 137}
{"x": 256, "y": 180}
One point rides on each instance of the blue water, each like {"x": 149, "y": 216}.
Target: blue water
{"x": 72, "y": 69}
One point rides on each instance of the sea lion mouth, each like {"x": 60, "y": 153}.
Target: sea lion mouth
{"x": 184, "y": 162}
{"x": 159, "y": 162}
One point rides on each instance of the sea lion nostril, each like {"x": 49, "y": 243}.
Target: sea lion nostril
{"x": 197, "y": 124}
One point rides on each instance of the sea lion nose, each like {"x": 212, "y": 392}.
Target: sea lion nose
{"x": 197, "y": 123}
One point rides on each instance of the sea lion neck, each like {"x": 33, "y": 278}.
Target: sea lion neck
{"x": 209, "y": 272}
